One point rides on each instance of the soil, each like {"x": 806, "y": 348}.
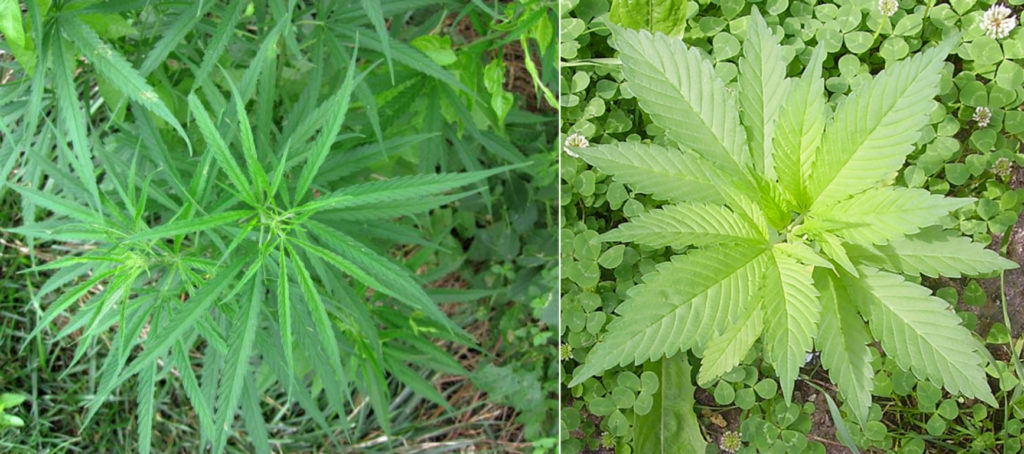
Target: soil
{"x": 716, "y": 423}
{"x": 517, "y": 79}
{"x": 1014, "y": 279}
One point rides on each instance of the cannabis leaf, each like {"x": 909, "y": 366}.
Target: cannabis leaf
{"x": 785, "y": 223}
{"x": 247, "y": 261}
{"x": 679, "y": 90}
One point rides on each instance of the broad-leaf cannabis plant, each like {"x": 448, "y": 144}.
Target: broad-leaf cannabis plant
{"x": 785, "y": 221}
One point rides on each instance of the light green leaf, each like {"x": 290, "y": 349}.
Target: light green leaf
{"x": 438, "y": 48}
{"x": 664, "y": 173}
{"x": 241, "y": 336}
{"x": 68, "y": 298}
{"x": 59, "y": 205}
{"x": 878, "y": 215}
{"x": 933, "y": 252}
{"x": 128, "y": 335}
{"x": 678, "y": 88}
{"x": 671, "y": 426}
{"x": 21, "y": 45}
{"x": 229, "y": 16}
{"x": 145, "y": 410}
{"x": 726, "y": 350}
{"x": 842, "y": 340}
{"x": 833, "y": 247}
{"x": 10, "y": 23}
{"x": 71, "y": 114}
{"x": 376, "y": 16}
{"x": 11, "y": 400}
{"x": 417, "y": 383}
{"x": 218, "y": 147}
{"x": 920, "y": 332}
{"x": 391, "y": 278}
{"x": 11, "y": 420}
{"x": 197, "y": 400}
{"x": 172, "y": 35}
{"x": 842, "y": 431}
{"x": 265, "y": 60}
{"x": 874, "y": 129}
{"x": 799, "y": 128}
{"x": 792, "y": 312}
{"x": 187, "y": 314}
{"x": 400, "y": 207}
{"x": 398, "y": 188}
{"x": 115, "y": 68}
{"x": 323, "y": 327}
{"x": 255, "y": 426}
{"x": 665, "y": 16}
{"x": 183, "y": 226}
{"x": 402, "y": 53}
{"x": 685, "y": 224}
{"x": 330, "y": 127}
{"x": 761, "y": 88}
{"x": 680, "y": 305}
{"x": 775, "y": 203}
{"x": 284, "y": 311}
{"x": 298, "y": 393}
{"x": 341, "y": 264}
{"x": 803, "y": 254}
{"x": 252, "y": 162}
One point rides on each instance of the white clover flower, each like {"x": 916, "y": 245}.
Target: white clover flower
{"x": 997, "y": 22}
{"x": 575, "y": 141}
{"x": 1002, "y": 167}
{"x": 731, "y": 441}
{"x": 888, "y": 7}
{"x": 982, "y": 115}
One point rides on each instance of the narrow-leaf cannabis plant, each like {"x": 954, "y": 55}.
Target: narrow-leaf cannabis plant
{"x": 786, "y": 223}
{"x": 258, "y": 253}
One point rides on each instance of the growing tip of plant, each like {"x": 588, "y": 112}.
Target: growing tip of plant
{"x": 755, "y": 13}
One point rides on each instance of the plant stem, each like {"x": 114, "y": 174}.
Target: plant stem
{"x": 1013, "y": 350}
{"x": 878, "y": 31}
{"x": 924, "y": 21}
